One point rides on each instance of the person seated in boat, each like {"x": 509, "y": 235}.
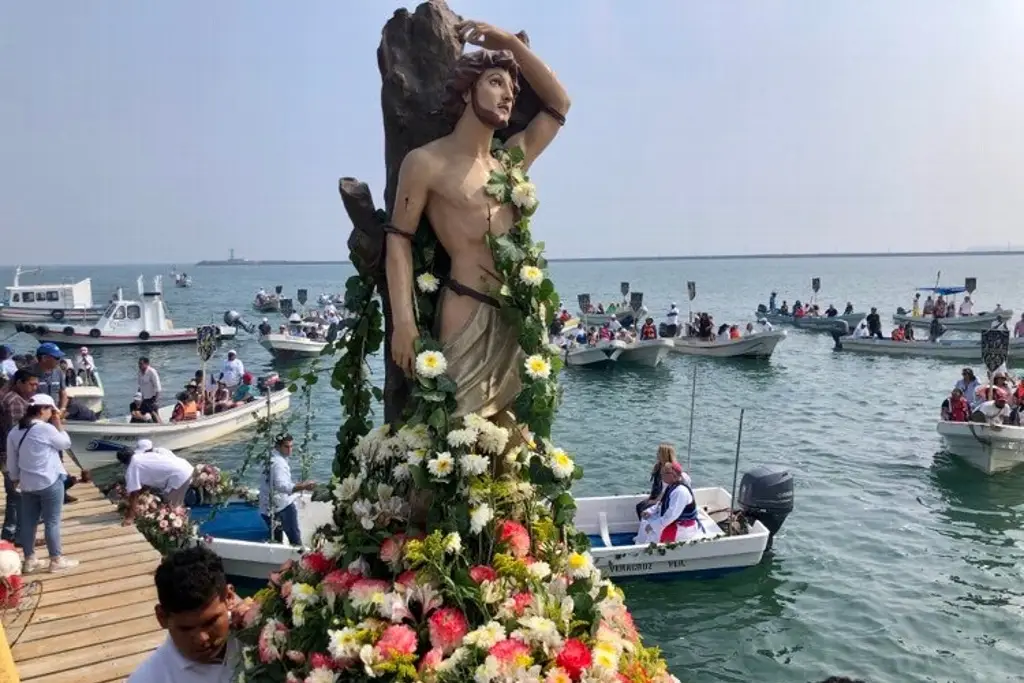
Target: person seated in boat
{"x": 198, "y": 395}
{"x": 968, "y": 385}
{"x": 185, "y": 408}
{"x": 765, "y": 325}
{"x": 897, "y": 334}
{"x": 862, "y": 330}
{"x": 648, "y": 331}
{"x": 908, "y": 332}
{"x": 265, "y": 327}
{"x": 750, "y": 330}
{"x": 614, "y": 326}
{"x": 246, "y": 391}
{"x": 956, "y": 408}
{"x": 928, "y": 307}
{"x": 665, "y": 454}
{"x": 222, "y": 398}
{"x": 784, "y": 309}
{"x": 831, "y": 311}
{"x": 995, "y": 412}
{"x": 675, "y": 517}
{"x": 70, "y": 378}
{"x": 734, "y": 332}
{"x": 278, "y": 493}
{"x": 940, "y": 307}
{"x": 86, "y": 367}
{"x": 605, "y": 333}
{"x": 798, "y": 310}
{"x": 158, "y": 469}
{"x": 915, "y": 308}
{"x": 135, "y": 410}
{"x": 295, "y": 326}
{"x": 723, "y": 333}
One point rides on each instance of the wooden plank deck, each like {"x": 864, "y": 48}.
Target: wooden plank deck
{"x": 93, "y": 623}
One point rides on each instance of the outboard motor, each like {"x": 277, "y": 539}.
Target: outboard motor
{"x": 766, "y": 495}
{"x": 234, "y": 319}
{"x": 761, "y": 308}
{"x": 900, "y": 310}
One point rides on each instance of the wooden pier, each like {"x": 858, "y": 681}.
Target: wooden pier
{"x": 93, "y": 623}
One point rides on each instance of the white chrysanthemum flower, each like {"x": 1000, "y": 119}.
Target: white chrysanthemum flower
{"x": 539, "y": 570}
{"x": 485, "y": 637}
{"x": 480, "y": 517}
{"x": 581, "y": 565}
{"x": 414, "y": 438}
{"x": 343, "y": 644}
{"x": 461, "y": 438}
{"x": 474, "y": 421}
{"x": 493, "y": 439}
{"x": 474, "y": 464}
{"x": 384, "y": 491}
{"x": 427, "y": 283}
{"x": 332, "y": 549}
{"x": 531, "y": 275}
{"x": 537, "y": 367}
{"x": 561, "y": 464}
{"x": 431, "y": 364}
{"x": 524, "y": 195}
{"x": 452, "y": 543}
{"x": 540, "y": 630}
{"x": 401, "y": 472}
{"x": 415, "y": 457}
{"x": 442, "y": 465}
{"x": 488, "y": 671}
{"x": 348, "y": 488}
{"x": 321, "y": 675}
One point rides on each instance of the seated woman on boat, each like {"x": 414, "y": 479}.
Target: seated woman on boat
{"x": 734, "y": 332}
{"x": 784, "y": 309}
{"x": 897, "y": 334}
{"x": 222, "y": 398}
{"x": 675, "y": 518}
{"x": 648, "y": 331}
{"x": 666, "y": 454}
{"x": 135, "y": 410}
{"x": 908, "y": 332}
{"x": 723, "y": 332}
{"x": 968, "y": 385}
{"x": 605, "y": 333}
{"x": 956, "y": 408}
{"x": 246, "y": 391}
{"x": 798, "y": 310}
{"x": 186, "y": 407}
{"x": 279, "y": 493}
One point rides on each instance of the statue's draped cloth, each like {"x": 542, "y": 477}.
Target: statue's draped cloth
{"x": 484, "y": 359}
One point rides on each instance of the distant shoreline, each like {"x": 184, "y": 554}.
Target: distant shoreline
{"x": 711, "y": 257}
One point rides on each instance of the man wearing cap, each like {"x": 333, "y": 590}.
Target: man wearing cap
{"x": 232, "y": 370}
{"x": 674, "y": 517}
{"x": 149, "y": 387}
{"x": 155, "y": 468}
{"x": 53, "y": 381}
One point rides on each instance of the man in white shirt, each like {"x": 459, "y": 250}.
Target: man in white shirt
{"x": 149, "y": 387}
{"x": 194, "y": 607}
{"x": 994, "y": 412}
{"x": 675, "y": 516}
{"x": 231, "y": 373}
{"x": 7, "y": 365}
{"x": 966, "y": 307}
{"x": 155, "y": 468}
{"x": 278, "y": 492}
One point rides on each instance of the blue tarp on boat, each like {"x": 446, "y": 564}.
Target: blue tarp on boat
{"x": 237, "y": 521}
{"x": 943, "y": 291}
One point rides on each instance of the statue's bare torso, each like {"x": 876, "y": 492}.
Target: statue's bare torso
{"x": 462, "y": 214}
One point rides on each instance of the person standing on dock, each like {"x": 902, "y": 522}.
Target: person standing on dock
{"x": 13, "y": 404}
{"x": 194, "y": 607}
{"x": 149, "y": 387}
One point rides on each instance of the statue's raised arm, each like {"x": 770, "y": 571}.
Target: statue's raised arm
{"x": 554, "y": 99}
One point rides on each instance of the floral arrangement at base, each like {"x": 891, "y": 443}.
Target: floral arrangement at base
{"x": 452, "y": 556}
{"x": 214, "y": 486}
{"x": 10, "y": 576}
{"x": 166, "y": 528}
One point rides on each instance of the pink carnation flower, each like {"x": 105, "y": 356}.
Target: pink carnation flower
{"x": 321, "y": 660}
{"x": 447, "y": 628}
{"x": 391, "y": 550}
{"x": 396, "y": 640}
{"x": 363, "y": 591}
{"x": 431, "y": 660}
{"x": 508, "y": 650}
{"x": 521, "y": 602}
{"x": 407, "y": 578}
{"x": 515, "y": 536}
{"x": 481, "y": 573}
{"x": 338, "y": 582}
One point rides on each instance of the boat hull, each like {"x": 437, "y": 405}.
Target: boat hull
{"x": 964, "y": 323}
{"x": 760, "y": 345}
{"x": 945, "y": 349}
{"x": 81, "y": 336}
{"x": 648, "y": 353}
{"x": 15, "y": 314}
{"x": 987, "y": 448}
{"x": 600, "y": 355}
{"x": 814, "y": 323}
{"x": 95, "y": 444}
{"x": 287, "y": 346}
{"x": 90, "y": 396}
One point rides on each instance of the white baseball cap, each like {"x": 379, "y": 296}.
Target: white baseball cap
{"x": 44, "y": 400}
{"x": 143, "y": 445}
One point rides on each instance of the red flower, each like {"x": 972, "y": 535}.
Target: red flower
{"x": 508, "y": 650}
{"x": 407, "y": 578}
{"x": 447, "y": 628}
{"x": 396, "y": 640}
{"x": 515, "y": 536}
{"x": 10, "y": 591}
{"x": 481, "y": 573}
{"x": 320, "y": 660}
{"x": 522, "y": 601}
{"x": 574, "y": 657}
{"x": 391, "y": 550}
{"x": 317, "y": 563}
{"x": 338, "y": 582}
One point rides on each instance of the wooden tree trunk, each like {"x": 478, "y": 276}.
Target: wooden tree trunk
{"x": 415, "y": 57}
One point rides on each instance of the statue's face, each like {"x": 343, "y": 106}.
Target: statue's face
{"x": 492, "y": 98}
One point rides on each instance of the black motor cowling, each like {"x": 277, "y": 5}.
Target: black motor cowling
{"x": 766, "y": 495}
{"x": 234, "y": 319}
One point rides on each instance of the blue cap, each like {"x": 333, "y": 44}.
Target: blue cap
{"x": 49, "y": 349}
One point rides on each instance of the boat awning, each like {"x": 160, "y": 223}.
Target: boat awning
{"x": 943, "y": 291}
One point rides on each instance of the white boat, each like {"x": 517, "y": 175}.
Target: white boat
{"x": 89, "y": 395}
{"x": 125, "y": 322}
{"x": 948, "y": 349}
{"x": 977, "y": 322}
{"x": 759, "y": 345}
{"x": 813, "y": 323}
{"x": 289, "y": 346}
{"x": 611, "y": 523}
{"x": 647, "y": 352}
{"x": 182, "y": 280}
{"x": 48, "y": 303}
{"x": 95, "y": 444}
{"x": 990, "y": 449}
{"x": 601, "y": 354}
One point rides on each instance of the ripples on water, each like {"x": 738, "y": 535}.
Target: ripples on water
{"x": 899, "y": 562}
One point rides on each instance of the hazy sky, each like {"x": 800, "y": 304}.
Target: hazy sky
{"x": 172, "y": 131}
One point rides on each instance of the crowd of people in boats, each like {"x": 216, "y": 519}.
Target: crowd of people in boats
{"x": 938, "y": 307}
{"x": 801, "y": 310}
{"x": 999, "y": 403}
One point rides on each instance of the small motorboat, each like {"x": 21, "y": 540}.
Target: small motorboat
{"x": 976, "y": 322}
{"x": 284, "y": 345}
{"x": 947, "y": 349}
{"x": 182, "y": 280}
{"x": 95, "y": 444}
{"x": 52, "y": 303}
{"x": 600, "y": 355}
{"x": 125, "y": 322}
{"x": 268, "y": 303}
{"x": 647, "y": 352}
{"x": 989, "y": 448}
{"x": 89, "y": 395}
{"x": 813, "y": 323}
{"x": 758, "y": 345}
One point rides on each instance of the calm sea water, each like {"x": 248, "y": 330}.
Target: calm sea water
{"x": 899, "y": 564}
